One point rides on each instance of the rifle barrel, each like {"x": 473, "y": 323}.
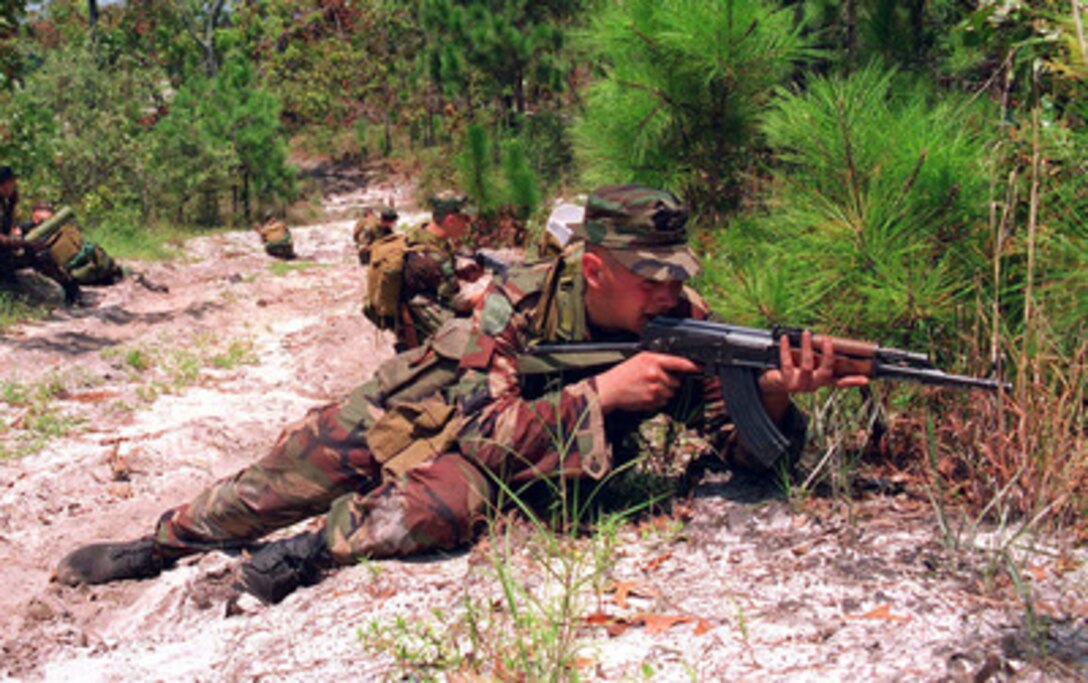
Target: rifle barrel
{"x": 937, "y": 377}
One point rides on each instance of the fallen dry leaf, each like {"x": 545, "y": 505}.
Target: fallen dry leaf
{"x": 581, "y": 663}
{"x": 622, "y": 589}
{"x": 659, "y": 523}
{"x": 613, "y": 626}
{"x": 702, "y": 626}
{"x": 1038, "y": 572}
{"x": 655, "y": 563}
{"x": 92, "y": 396}
{"x": 882, "y": 612}
{"x": 659, "y": 623}
{"x": 1066, "y": 564}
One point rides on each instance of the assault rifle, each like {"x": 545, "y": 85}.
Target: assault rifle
{"x": 738, "y": 355}
{"x": 495, "y": 265}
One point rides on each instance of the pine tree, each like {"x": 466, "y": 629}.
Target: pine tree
{"x": 683, "y": 86}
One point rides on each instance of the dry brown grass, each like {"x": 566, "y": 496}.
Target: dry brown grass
{"x": 1021, "y": 456}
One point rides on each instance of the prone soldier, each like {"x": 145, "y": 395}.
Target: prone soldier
{"x": 412, "y": 459}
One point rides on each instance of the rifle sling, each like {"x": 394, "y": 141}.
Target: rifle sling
{"x": 555, "y": 363}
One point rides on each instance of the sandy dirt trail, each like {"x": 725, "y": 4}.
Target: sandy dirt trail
{"x": 166, "y": 392}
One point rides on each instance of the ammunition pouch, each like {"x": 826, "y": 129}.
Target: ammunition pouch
{"x": 418, "y": 424}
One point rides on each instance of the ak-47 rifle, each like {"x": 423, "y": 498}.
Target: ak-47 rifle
{"x": 738, "y": 355}
{"x": 492, "y": 263}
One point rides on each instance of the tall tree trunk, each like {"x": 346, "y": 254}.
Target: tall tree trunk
{"x": 519, "y": 93}
{"x": 92, "y": 19}
{"x": 245, "y": 196}
{"x": 918, "y": 28}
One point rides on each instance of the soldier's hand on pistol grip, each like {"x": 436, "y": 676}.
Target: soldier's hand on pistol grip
{"x": 643, "y": 382}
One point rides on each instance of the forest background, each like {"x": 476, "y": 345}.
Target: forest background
{"x": 909, "y": 172}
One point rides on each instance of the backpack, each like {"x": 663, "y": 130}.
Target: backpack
{"x": 277, "y": 239}
{"x": 366, "y": 232}
{"x": 87, "y": 262}
{"x": 93, "y": 266}
{"x": 65, "y": 244}
{"x": 384, "y": 280}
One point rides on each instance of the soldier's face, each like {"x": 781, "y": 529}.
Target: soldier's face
{"x": 456, "y": 224}
{"x": 617, "y": 299}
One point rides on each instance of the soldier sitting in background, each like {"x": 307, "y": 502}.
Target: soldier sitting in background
{"x": 413, "y": 459}
{"x": 84, "y": 260}
{"x": 375, "y": 224}
{"x": 276, "y": 238}
{"x": 17, "y": 253}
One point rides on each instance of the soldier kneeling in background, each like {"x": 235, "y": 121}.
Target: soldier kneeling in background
{"x": 85, "y": 261}
{"x": 375, "y": 224}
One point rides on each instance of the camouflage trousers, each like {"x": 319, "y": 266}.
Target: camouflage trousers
{"x": 322, "y": 466}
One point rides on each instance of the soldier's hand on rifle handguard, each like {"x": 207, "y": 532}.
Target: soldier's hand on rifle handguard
{"x": 800, "y": 372}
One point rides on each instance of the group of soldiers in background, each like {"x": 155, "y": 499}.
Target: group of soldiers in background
{"x": 415, "y": 277}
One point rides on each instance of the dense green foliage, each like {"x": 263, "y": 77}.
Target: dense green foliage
{"x": 684, "y": 84}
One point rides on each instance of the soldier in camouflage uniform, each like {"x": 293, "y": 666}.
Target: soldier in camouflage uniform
{"x": 409, "y": 461}
{"x": 431, "y": 289}
{"x": 375, "y": 224}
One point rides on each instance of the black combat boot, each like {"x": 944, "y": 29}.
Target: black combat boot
{"x": 73, "y": 295}
{"x": 105, "y": 562}
{"x": 277, "y": 569}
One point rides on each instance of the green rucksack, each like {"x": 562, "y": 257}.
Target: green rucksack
{"x": 93, "y": 266}
{"x": 276, "y": 239}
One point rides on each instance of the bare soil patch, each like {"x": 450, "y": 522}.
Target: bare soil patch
{"x": 165, "y": 392}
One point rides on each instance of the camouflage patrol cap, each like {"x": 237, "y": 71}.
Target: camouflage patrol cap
{"x": 448, "y": 201}
{"x": 642, "y": 228}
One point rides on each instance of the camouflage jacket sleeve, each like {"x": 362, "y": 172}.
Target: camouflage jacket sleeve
{"x": 519, "y": 437}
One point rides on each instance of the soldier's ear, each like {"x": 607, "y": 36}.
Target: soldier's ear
{"x": 592, "y": 269}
